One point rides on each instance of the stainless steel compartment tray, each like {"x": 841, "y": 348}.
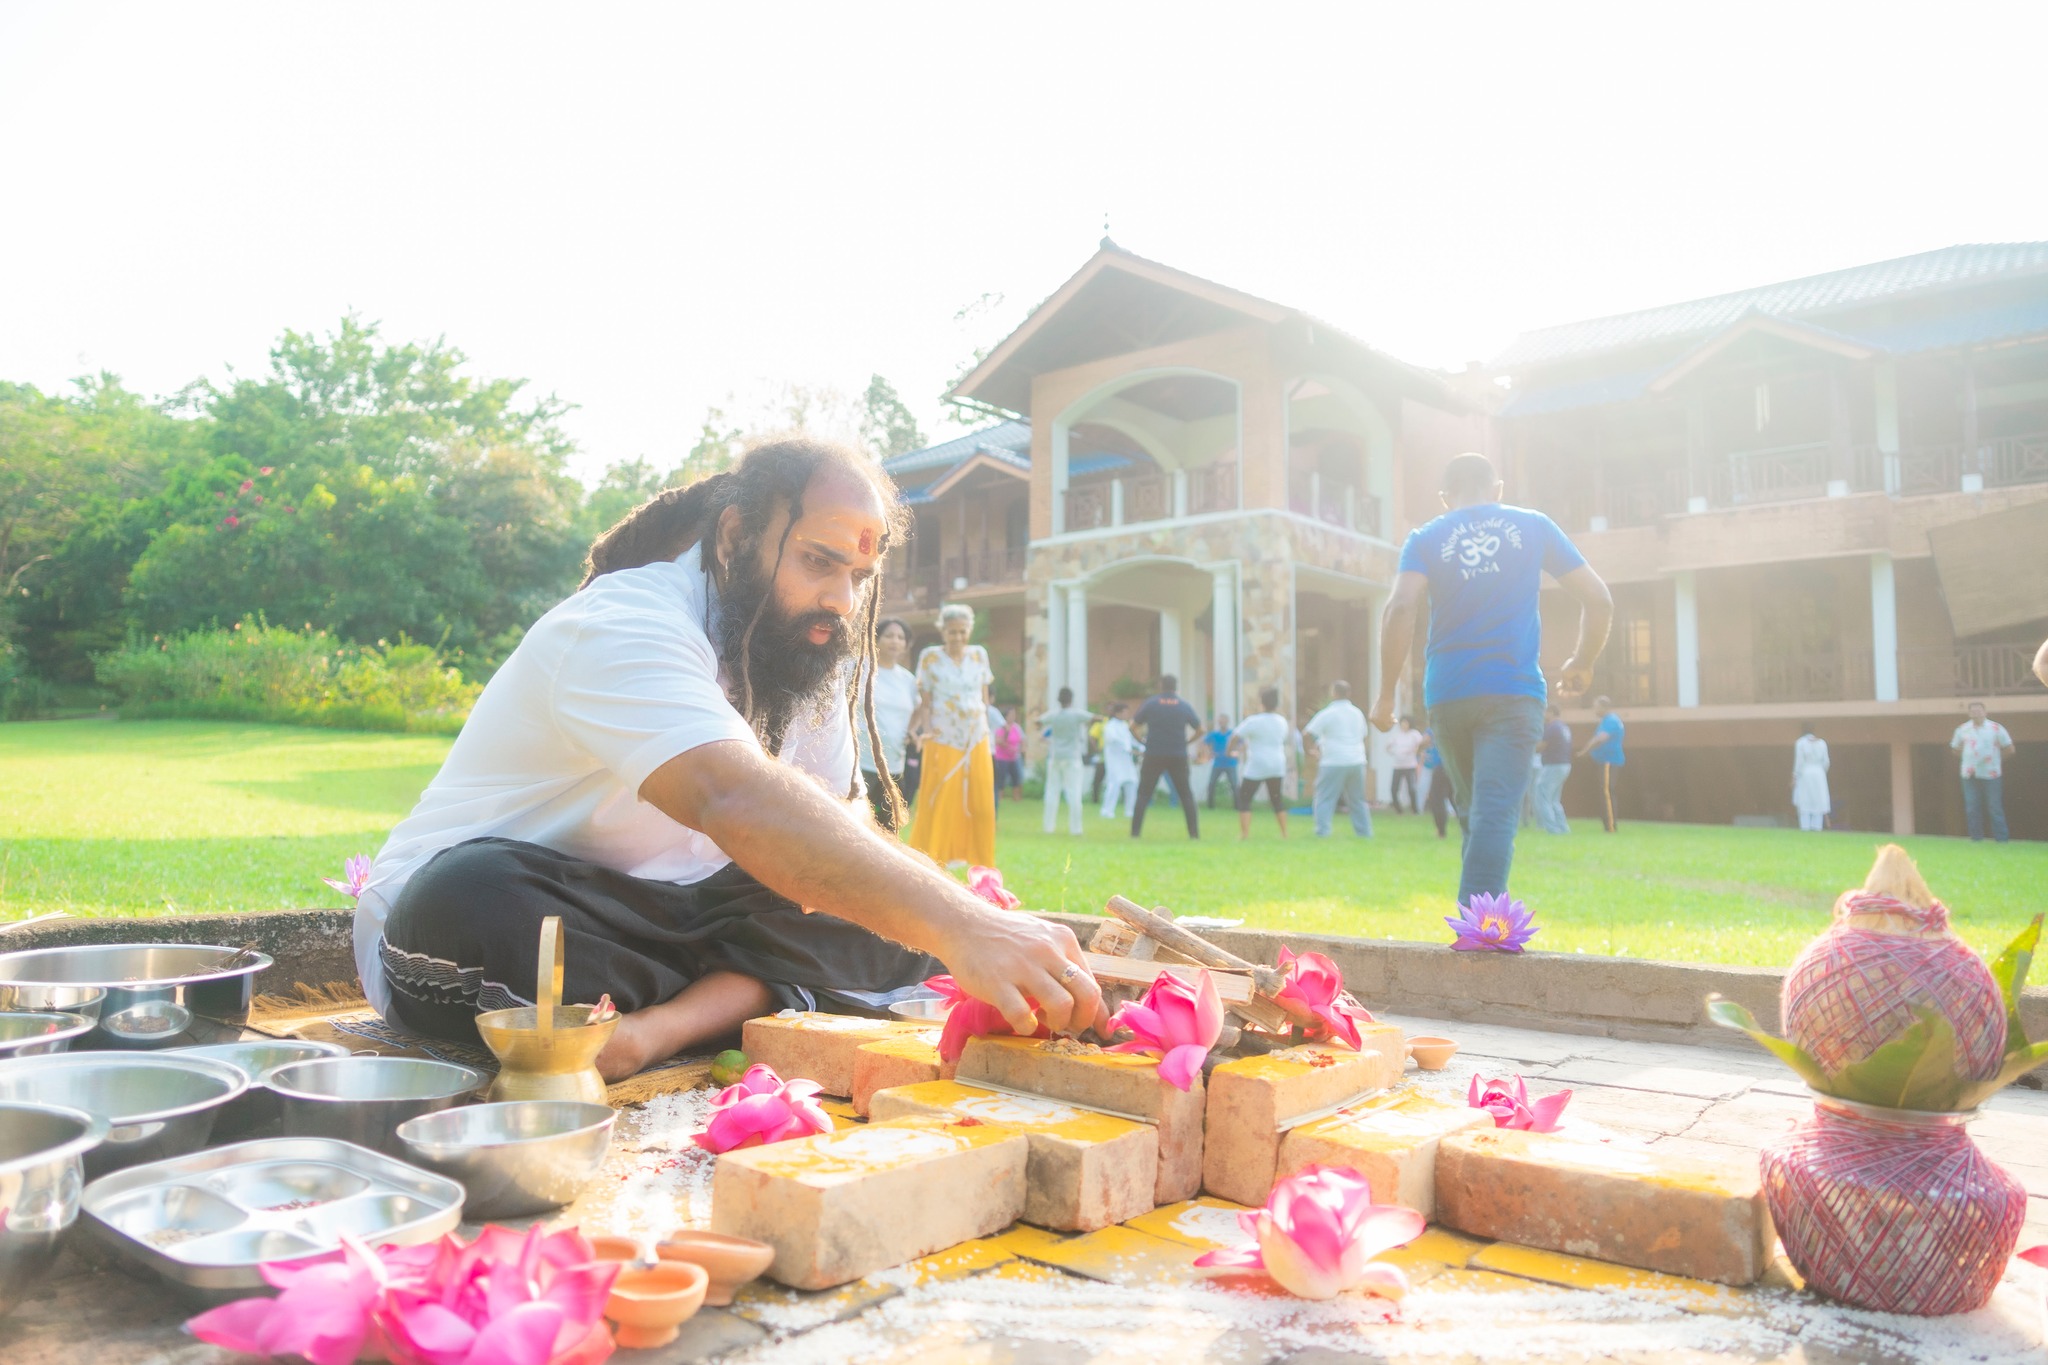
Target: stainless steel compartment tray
{"x": 209, "y": 1220}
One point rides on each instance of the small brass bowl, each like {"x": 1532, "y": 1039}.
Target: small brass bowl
{"x": 529, "y": 1070}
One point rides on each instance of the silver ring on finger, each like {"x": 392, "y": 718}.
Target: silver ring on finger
{"x": 1069, "y": 974}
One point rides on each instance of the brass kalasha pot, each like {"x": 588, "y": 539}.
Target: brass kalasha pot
{"x": 547, "y": 1051}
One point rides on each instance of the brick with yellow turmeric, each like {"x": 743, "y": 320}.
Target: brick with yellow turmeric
{"x": 842, "y": 1205}
{"x": 909, "y": 1060}
{"x": 1121, "y": 1083}
{"x": 1252, "y": 1100}
{"x": 1390, "y": 1140}
{"x": 820, "y": 1047}
{"x": 1087, "y": 1170}
{"x": 1618, "y": 1201}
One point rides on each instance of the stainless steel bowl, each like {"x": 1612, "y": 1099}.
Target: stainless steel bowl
{"x": 922, "y": 1009}
{"x": 155, "y": 1106}
{"x": 364, "y": 1099}
{"x": 41, "y": 1147}
{"x": 20, "y": 997}
{"x": 31, "y": 1035}
{"x": 153, "y": 990}
{"x": 257, "y": 1108}
{"x": 515, "y": 1158}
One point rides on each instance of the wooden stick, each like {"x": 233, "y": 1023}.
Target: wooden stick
{"x": 1266, "y": 982}
{"x": 1231, "y": 989}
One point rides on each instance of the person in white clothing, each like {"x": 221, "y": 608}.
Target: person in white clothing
{"x": 1337, "y": 734}
{"x": 1120, "y": 750}
{"x": 1404, "y": 750}
{"x": 1066, "y": 733}
{"x": 1810, "y": 779}
{"x": 666, "y": 763}
{"x": 1261, "y": 742}
{"x": 893, "y": 689}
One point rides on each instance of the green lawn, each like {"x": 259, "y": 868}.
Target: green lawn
{"x": 103, "y": 817}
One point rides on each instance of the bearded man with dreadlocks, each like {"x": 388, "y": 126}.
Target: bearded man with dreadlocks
{"x": 667, "y": 762}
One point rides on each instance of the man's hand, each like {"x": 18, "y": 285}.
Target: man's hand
{"x": 1010, "y": 956}
{"x": 1575, "y": 678}
{"x": 1382, "y": 716}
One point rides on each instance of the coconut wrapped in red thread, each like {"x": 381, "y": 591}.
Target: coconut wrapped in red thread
{"x": 1888, "y": 956}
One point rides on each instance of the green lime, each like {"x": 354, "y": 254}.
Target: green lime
{"x": 728, "y": 1066}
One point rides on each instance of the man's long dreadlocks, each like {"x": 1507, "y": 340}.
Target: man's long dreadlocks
{"x": 767, "y": 476}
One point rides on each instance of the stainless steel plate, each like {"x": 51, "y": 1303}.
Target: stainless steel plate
{"x": 153, "y": 990}
{"x": 157, "y": 1106}
{"x": 32, "y": 1034}
{"x": 209, "y": 1221}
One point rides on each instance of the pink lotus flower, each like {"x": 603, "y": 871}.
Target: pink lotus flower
{"x": 987, "y": 883}
{"x": 1316, "y": 987}
{"x": 967, "y": 1018}
{"x": 508, "y": 1298}
{"x": 1508, "y": 1101}
{"x": 1318, "y": 1234}
{"x": 1176, "y": 1020}
{"x": 1492, "y": 924}
{"x": 355, "y": 875}
{"x": 763, "y": 1108}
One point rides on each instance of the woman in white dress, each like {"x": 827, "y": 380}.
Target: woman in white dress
{"x": 895, "y": 699}
{"x": 1810, "y": 779}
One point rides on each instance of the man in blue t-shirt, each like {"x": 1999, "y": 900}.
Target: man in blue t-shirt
{"x": 1605, "y": 749}
{"x": 1480, "y": 568}
{"x": 1222, "y": 762}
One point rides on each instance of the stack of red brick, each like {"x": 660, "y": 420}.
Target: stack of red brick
{"x": 1073, "y": 1138}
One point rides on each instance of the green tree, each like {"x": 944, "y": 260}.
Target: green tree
{"x": 886, "y": 424}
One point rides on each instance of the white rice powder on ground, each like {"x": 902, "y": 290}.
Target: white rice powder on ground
{"x": 657, "y": 1180}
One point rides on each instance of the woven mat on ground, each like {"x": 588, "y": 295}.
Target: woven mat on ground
{"x": 339, "y": 1015}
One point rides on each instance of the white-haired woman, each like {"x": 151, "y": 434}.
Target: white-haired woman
{"x": 956, "y": 807}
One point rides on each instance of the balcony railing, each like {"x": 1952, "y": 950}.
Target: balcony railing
{"x": 1836, "y": 676}
{"x": 1779, "y": 474}
{"x": 928, "y": 584}
{"x": 1344, "y": 505}
{"x": 1213, "y": 488}
{"x": 1967, "y": 671}
{"x": 1152, "y": 497}
{"x": 1088, "y": 506}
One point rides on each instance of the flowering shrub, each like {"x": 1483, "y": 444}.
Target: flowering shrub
{"x": 255, "y": 671}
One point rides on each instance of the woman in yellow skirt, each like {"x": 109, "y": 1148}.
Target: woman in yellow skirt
{"x": 956, "y": 801}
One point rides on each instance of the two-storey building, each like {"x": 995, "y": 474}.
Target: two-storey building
{"x": 1818, "y": 501}
{"x": 1197, "y": 482}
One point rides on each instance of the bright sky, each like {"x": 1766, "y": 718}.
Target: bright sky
{"x": 644, "y": 209}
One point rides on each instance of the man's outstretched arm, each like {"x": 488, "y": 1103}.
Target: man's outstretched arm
{"x": 1596, "y": 615}
{"x": 780, "y": 826}
{"x": 1397, "y": 640}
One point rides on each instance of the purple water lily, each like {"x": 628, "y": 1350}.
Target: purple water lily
{"x": 355, "y": 875}
{"x": 1491, "y": 923}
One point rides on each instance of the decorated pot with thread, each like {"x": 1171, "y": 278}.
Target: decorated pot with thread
{"x": 1895, "y": 1210}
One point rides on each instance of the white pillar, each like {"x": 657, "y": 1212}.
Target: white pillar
{"x": 1056, "y": 646}
{"x": 1116, "y": 502}
{"x": 1223, "y": 652}
{"x": 1077, "y": 643}
{"x": 1884, "y": 628}
{"x": 1059, "y": 477}
{"x": 1687, "y": 593}
{"x": 1180, "y": 492}
{"x": 1169, "y": 642}
{"x": 1885, "y": 381}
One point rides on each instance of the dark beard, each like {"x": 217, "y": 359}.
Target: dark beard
{"x": 784, "y": 668}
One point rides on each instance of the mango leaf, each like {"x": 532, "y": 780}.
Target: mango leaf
{"x": 1916, "y": 1070}
{"x": 2017, "y": 1064}
{"x": 1728, "y": 1014}
{"x": 2010, "y": 972}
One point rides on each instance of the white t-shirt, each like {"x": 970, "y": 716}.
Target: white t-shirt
{"x": 608, "y": 686}
{"x": 1403, "y": 746}
{"x": 895, "y": 703}
{"x": 1265, "y": 746}
{"x": 1339, "y": 729}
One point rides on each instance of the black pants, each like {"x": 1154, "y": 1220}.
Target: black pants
{"x": 1095, "y": 788}
{"x": 1248, "y": 792}
{"x": 1405, "y": 777}
{"x": 463, "y": 936}
{"x": 1175, "y": 768}
{"x": 1439, "y": 803}
{"x": 1220, "y": 776}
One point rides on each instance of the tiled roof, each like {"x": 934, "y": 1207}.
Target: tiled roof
{"x": 1007, "y": 441}
{"x": 1792, "y": 298}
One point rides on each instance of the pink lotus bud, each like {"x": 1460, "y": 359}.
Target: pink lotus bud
{"x": 1318, "y": 1234}
{"x": 1178, "y": 1021}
